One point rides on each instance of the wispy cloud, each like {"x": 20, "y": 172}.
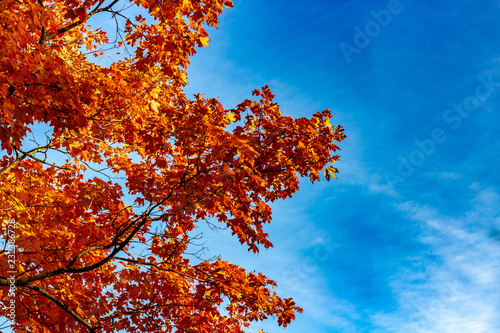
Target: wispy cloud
{"x": 452, "y": 287}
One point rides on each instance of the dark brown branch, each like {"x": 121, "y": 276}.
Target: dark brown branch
{"x": 43, "y": 35}
{"x": 62, "y": 306}
{"x": 78, "y": 22}
{"x": 42, "y": 161}
{"x": 71, "y": 269}
{"x": 22, "y": 157}
{"x": 187, "y": 206}
{"x": 116, "y": 243}
{"x": 118, "y": 246}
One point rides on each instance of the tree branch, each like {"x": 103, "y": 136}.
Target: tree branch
{"x": 189, "y": 205}
{"x": 43, "y": 35}
{"x": 116, "y": 243}
{"x": 62, "y": 306}
{"x": 42, "y": 161}
{"x": 22, "y": 157}
{"x": 78, "y": 22}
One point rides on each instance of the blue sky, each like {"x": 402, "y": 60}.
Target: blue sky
{"x": 405, "y": 240}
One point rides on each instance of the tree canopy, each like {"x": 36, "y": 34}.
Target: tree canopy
{"x": 106, "y": 168}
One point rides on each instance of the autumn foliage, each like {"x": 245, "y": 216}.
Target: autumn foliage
{"x": 106, "y": 167}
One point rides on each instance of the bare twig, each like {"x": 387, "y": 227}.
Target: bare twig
{"x": 22, "y": 157}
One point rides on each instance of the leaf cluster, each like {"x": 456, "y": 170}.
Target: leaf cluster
{"x": 107, "y": 206}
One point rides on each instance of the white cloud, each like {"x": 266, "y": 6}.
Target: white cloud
{"x": 457, "y": 290}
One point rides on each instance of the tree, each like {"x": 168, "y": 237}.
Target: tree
{"x": 107, "y": 167}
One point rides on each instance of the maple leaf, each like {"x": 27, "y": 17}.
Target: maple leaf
{"x": 126, "y": 165}
{"x": 330, "y": 172}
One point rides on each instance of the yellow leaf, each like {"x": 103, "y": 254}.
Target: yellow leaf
{"x": 204, "y": 41}
{"x": 231, "y": 117}
{"x": 183, "y": 77}
{"x": 327, "y": 123}
{"x": 155, "y": 92}
{"x": 330, "y": 171}
{"x": 154, "y": 105}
